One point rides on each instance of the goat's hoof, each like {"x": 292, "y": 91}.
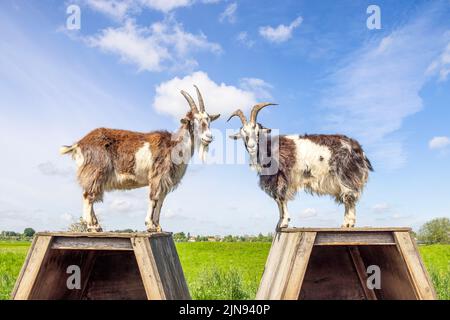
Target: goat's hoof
{"x": 154, "y": 229}
{"x": 95, "y": 228}
{"x": 281, "y": 226}
{"x": 348, "y": 225}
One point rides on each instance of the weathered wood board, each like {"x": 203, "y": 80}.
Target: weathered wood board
{"x": 112, "y": 266}
{"x": 330, "y": 263}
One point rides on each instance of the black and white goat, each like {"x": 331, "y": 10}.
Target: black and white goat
{"x": 110, "y": 159}
{"x": 319, "y": 164}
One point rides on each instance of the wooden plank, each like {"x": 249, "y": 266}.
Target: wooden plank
{"x": 299, "y": 265}
{"x": 417, "y": 271}
{"x": 354, "y": 238}
{"x": 106, "y": 234}
{"x": 24, "y": 267}
{"x": 345, "y": 230}
{"x": 360, "y": 269}
{"x": 86, "y": 243}
{"x": 423, "y": 267}
{"x": 31, "y": 267}
{"x": 148, "y": 269}
{"x": 284, "y": 265}
{"x": 169, "y": 268}
{"x": 276, "y": 259}
{"x": 267, "y": 273}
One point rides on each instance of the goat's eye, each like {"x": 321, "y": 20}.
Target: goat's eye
{"x": 246, "y": 138}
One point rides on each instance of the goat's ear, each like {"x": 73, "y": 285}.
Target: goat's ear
{"x": 214, "y": 117}
{"x": 266, "y": 130}
{"x": 184, "y": 121}
{"x": 235, "y": 136}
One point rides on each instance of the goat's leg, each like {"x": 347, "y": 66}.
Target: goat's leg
{"x": 350, "y": 214}
{"x": 154, "y": 212}
{"x": 157, "y": 213}
{"x": 89, "y": 214}
{"x": 148, "y": 219}
{"x": 283, "y": 222}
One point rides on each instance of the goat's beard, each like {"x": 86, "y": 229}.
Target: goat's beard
{"x": 203, "y": 151}
{"x": 254, "y": 162}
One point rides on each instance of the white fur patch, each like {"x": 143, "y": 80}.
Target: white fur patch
{"x": 312, "y": 169}
{"x": 143, "y": 164}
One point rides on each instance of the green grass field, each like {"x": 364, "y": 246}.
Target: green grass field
{"x": 12, "y": 255}
{"x": 224, "y": 270}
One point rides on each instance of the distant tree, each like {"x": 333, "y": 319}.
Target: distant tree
{"x": 29, "y": 232}
{"x": 180, "y": 237}
{"x": 263, "y": 238}
{"x": 435, "y": 231}
{"x": 229, "y": 238}
{"x": 201, "y": 238}
{"x": 10, "y": 234}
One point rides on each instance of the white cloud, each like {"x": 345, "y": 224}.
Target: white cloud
{"x": 441, "y": 65}
{"x": 120, "y": 9}
{"x": 173, "y": 35}
{"x": 170, "y": 214}
{"x": 169, "y": 5}
{"x": 258, "y": 86}
{"x": 308, "y": 213}
{"x": 439, "y": 143}
{"x": 121, "y": 205}
{"x": 133, "y": 45}
{"x": 280, "y": 33}
{"x": 381, "y": 208}
{"x": 399, "y": 216}
{"x": 158, "y": 47}
{"x": 244, "y": 39}
{"x": 166, "y": 5}
{"x": 50, "y": 169}
{"x": 229, "y": 14}
{"x": 67, "y": 217}
{"x": 379, "y": 85}
{"x": 113, "y": 8}
{"x": 219, "y": 98}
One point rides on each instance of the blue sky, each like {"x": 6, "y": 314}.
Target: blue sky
{"x": 329, "y": 73}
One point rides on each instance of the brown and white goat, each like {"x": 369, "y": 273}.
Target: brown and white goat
{"x": 109, "y": 159}
{"x": 319, "y": 164}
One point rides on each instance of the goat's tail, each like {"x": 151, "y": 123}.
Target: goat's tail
{"x": 67, "y": 149}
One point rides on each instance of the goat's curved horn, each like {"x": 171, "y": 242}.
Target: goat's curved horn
{"x": 240, "y": 114}
{"x": 201, "y": 104}
{"x": 190, "y": 101}
{"x": 258, "y": 108}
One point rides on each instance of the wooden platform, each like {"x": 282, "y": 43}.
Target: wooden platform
{"x": 311, "y": 263}
{"x": 113, "y": 266}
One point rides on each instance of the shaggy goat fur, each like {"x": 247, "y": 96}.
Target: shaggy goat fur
{"x": 110, "y": 159}
{"x": 333, "y": 165}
